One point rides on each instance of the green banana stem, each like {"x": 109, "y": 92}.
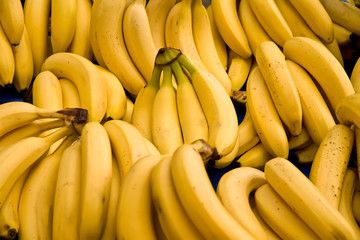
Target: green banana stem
{"x": 178, "y": 73}
{"x": 167, "y": 55}
{"x": 187, "y": 64}
{"x": 167, "y": 76}
{"x": 155, "y": 77}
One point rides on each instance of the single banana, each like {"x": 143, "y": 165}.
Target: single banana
{"x": 279, "y": 81}
{"x": 322, "y": 65}
{"x": 205, "y": 45}
{"x": 355, "y": 76}
{"x": 135, "y": 202}
{"x": 7, "y": 60}
{"x": 342, "y": 35}
{"x": 317, "y": 117}
{"x": 330, "y": 162}
{"x": 230, "y": 28}
{"x": 108, "y": 31}
{"x": 238, "y": 70}
{"x": 86, "y": 77}
{"x": 46, "y": 91}
{"x": 271, "y": 19}
{"x": 254, "y": 30}
{"x": 129, "y": 110}
{"x": 36, "y": 14}
{"x": 199, "y": 199}
{"x": 127, "y": 144}
{"x": 219, "y": 110}
{"x": 191, "y": 116}
{"x": 300, "y": 141}
{"x": 165, "y": 123}
{"x": 95, "y": 180}
{"x": 173, "y": 218}
{"x": 24, "y": 65}
{"x": 66, "y": 214}
{"x": 63, "y": 24}
{"x": 234, "y": 189}
{"x": 306, "y": 200}
{"x": 347, "y": 110}
{"x": 279, "y": 215}
{"x": 70, "y": 94}
{"x": 37, "y": 197}
{"x": 265, "y": 118}
{"x": 255, "y": 157}
{"x": 80, "y": 43}
{"x": 306, "y": 155}
{"x": 12, "y": 20}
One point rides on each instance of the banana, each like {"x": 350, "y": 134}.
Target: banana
{"x": 142, "y": 112}
{"x": 12, "y": 20}
{"x": 342, "y": 35}
{"x": 199, "y": 199}
{"x": 84, "y": 74}
{"x": 129, "y": 110}
{"x": 330, "y": 162}
{"x": 300, "y": 141}
{"x": 218, "y": 108}
{"x": 219, "y": 42}
{"x": 322, "y": 65}
{"x": 355, "y": 76}
{"x": 191, "y": 116}
{"x": 238, "y": 70}
{"x": 37, "y": 197}
{"x": 165, "y": 123}
{"x": 271, "y": 19}
{"x": 279, "y": 81}
{"x": 24, "y": 65}
{"x": 116, "y": 96}
{"x": 205, "y": 45}
{"x": 157, "y": 11}
{"x": 46, "y": 91}
{"x": 230, "y": 28}
{"x": 80, "y": 43}
{"x": 344, "y": 14}
{"x": 255, "y": 32}
{"x": 95, "y": 180}
{"x": 70, "y": 94}
{"x": 317, "y": 117}
{"x": 36, "y": 15}
{"x": 7, "y": 60}
{"x": 109, "y": 37}
{"x": 255, "y": 157}
{"x": 63, "y": 24}
{"x": 173, "y": 219}
{"x": 65, "y": 221}
{"x": 135, "y": 202}
{"x": 347, "y": 110}
{"x": 275, "y": 212}
{"x": 306, "y": 200}
{"x": 138, "y": 38}
{"x": 127, "y": 144}
{"x": 306, "y": 155}
{"x": 265, "y": 118}
{"x": 234, "y": 189}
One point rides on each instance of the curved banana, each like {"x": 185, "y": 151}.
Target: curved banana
{"x": 127, "y": 144}
{"x": 108, "y": 31}
{"x": 322, "y": 65}
{"x": 173, "y": 219}
{"x": 66, "y": 214}
{"x": 95, "y": 180}
{"x": 306, "y": 200}
{"x": 234, "y": 189}
{"x": 84, "y": 74}
{"x": 93, "y": 36}
{"x": 317, "y": 117}
{"x": 306, "y": 155}
{"x": 70, "y": 94}
{"x": 37, "y": 197}
{"x": 279, "y": 215}
{"x": 347, "y": 111}
{"x": 135, "y": 202}
{"x": 279, "y": 81}
{"x": 62, "y": 24}
{"x": 7, "y": 61}
{"x": 265, "y": 118}
{"x": 229, "y": 26}
{"x": 205, "y": 45}
{"x": 12, "y": 20}
{"x": 300, "y": 141}
{"x": 238, "y": 70}
{"x": 255, "y": 157}
{"x": 271, "y": 19}
{"x": 355, "y": 76}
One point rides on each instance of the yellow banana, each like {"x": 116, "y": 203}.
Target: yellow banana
{"x": 238, "y": 70}
{"x": 300, "y": 141}
{"x": 7, "y": 60}
{"x": 255, "y": 157}
{"x": 12, "y": 20}
{"x": 70, "y": 94}
{"x": 342, "y": 35}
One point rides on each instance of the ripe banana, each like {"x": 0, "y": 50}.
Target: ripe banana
{"x": 234, "y": 189}
{"x": 12, "y": 20}
{"x": 306, "y": 200}
{"x": 229, "y": 26}
{"x": 199, "y": 198}
{"x": 7, "y": 61}
{"x": 265, "y": 118}
{"x": 322, "y": 65}
{"x": 84, "y": 74}
{"x": 300, "y": 141}
{"x": 255, "y": 157}
{"x": 347, "y": 111}
{"x": 355, "y": 76}
{"x": 135, "y": 202}
{"x": 306, "y": 155}
{"x": 95, "y": 180}
{"x": 275, "y": 212}
{"x": 70, "y": 94}
{"x": 238, "y": 70}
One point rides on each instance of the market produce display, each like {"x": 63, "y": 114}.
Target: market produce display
{"x": 123, "y": 109}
